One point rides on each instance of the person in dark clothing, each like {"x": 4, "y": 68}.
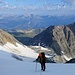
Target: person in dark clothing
{"x": 42, "y": 59}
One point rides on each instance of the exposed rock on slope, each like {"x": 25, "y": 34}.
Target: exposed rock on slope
{"x": 71, "y": 61}
{"x": 64, "y": 38}
{"x": 72, "y": 27}
{"x": 10, "y": 44}
{"x": 5, "y": 37}
{"x": 60, "y": 38}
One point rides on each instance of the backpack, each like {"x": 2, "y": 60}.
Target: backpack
{"x": 41, "y": 57}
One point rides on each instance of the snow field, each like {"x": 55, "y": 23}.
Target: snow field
{"x": 28, "y": 68}
{"x": 20, "y": 50}
{"x": 11, "y": 66}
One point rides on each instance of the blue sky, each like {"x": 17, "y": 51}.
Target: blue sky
{"x": 38, "y": 7}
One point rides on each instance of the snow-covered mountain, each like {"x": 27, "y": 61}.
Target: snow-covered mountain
{"x": 60, "y": 38}
{"x": 9, "y": 44}
{"x": 33, "y": 21}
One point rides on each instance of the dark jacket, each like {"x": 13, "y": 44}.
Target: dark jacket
{"x": 41, "y": 58}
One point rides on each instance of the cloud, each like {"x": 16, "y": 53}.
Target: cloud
{"x": 9, "y": 7}
{"x": 1, "y": 2}
{"x": 6, "y": 5}
{"x": 70, "y": 2}
{"x": 43, "y": 9}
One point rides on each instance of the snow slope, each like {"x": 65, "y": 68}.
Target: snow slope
{"x": 11, "y": 66}
{"x": 20, "y": 50}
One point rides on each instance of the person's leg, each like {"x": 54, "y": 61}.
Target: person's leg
{"x": 44, "y": 67}
{"x": 41, "y": 66}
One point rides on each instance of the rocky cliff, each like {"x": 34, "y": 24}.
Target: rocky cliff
{"x": 61, "y": 39}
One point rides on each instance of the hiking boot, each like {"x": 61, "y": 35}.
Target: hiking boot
{"x": 43, "y": 69}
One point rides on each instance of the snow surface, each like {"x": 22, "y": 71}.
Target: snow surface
{"x": 11, "y": 66}
{"x": 42, "y": 48}
{"x": 20, "y": 50}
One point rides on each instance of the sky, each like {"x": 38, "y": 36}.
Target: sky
{"x": 38, "y": 7}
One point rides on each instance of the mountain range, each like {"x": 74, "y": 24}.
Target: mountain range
{"x": 18, "y": 50}
{"x": 33, "y": 21}
{"x": 61, "y": 39}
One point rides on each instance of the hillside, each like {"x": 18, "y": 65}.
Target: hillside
{"x": 11, "y": 45}
{"x": 26, "y": 35}
{"x": 5, "y": 37}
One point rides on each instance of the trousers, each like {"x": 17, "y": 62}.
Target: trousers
{"x": 43, "y": 67}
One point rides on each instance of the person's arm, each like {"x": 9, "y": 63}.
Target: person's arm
{"x": 37, "y": 59}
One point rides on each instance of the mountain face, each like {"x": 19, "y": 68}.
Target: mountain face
{"x": 9, "y": 44}
{"x": 33, "y": 21}
{"x": 72, "y": 27}
{"x": 5, "y": 37}
{"x": 60, "y": 38}
{"x": 44, "y": 38}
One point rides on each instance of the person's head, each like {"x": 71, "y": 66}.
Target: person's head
{"x": 43, "y": 54}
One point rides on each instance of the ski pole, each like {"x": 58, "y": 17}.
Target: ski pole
{"x": 36, "y": 67}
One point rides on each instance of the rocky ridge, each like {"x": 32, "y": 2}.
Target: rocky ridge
{"x": 61, "y": 39}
